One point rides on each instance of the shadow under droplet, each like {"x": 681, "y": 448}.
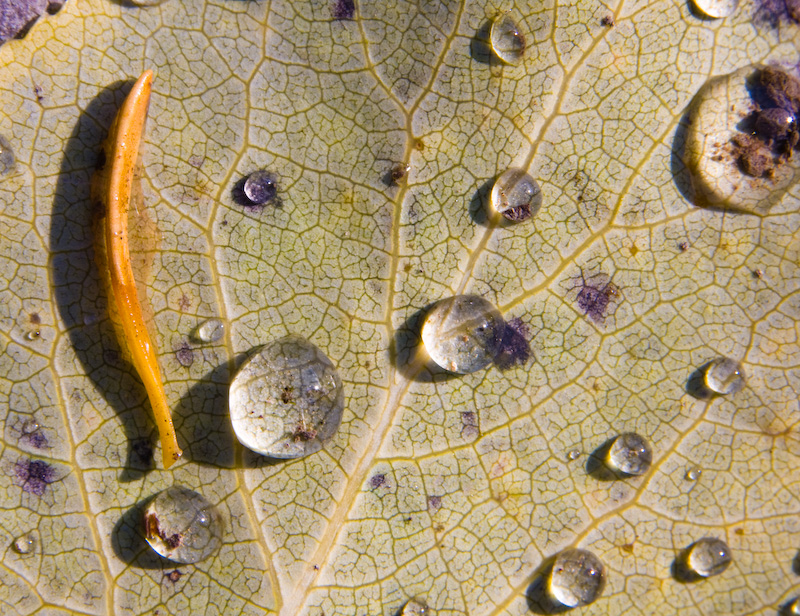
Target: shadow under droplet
{"x": 538, "y": 598}
{"x": 128, "y": 540}
{"x": 681, "y": 571}
{"x": 796, "y": 563}
{"x": 696, "y": 384}
{"x": 480, "y": 48}
{"x": 408, "y": 355}
{"x": 596, "y": 466}
{"x": 479, "y": 202}
{"x": 77, "y": 281}
{"x": 680, "y": 172}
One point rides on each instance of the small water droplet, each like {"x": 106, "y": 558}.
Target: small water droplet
{"x": 708, "y": 556}
{"x": 463, "y": 333}
{"x": 724, "y": 376}
{"x": 414, "y": 607}
{"x": 30, "y": 426}
{"x": 574, "y": 454}
{"x": 740, "y": 139}
{"x": 716, "y": 8}
{"x": 210, "y": 330}
{"x": 630, "y": 454}
{"x": 506, "y": 39}
{"x": 24, "y": 545}
{"x": 261, "y": 187}
{"x": 182, "y": 525}
{"x": 516, "y": 195}
{"x": 577, "y": 578}
{"x": 33, "y": 335}
{"x": 7, "y": 158}
{"x": 693, "y": 474}
{"x": 793, "y": 608}
{"x": 287, "y": 399}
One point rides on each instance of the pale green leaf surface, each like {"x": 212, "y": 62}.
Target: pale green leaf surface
{"x": 478, "y": 489}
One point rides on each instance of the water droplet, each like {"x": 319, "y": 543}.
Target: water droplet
{"x": 210, "y": 330}
{"x": 741, "y": 133}
{"x": 577, "y": 578}
{"x": 182, "y": 525}
{"x": 793, "y": 608}
{"x": 693, "y": 474}
{"x": 463, "y": 333}
{"x": 33, "y": 335}
{"x": 574, "y": 454}
{"x": 261, "y": 187}
{"x": 30, "y": 426}
{"x": 630, "y": 454}
{"x": 507, "y": 40}
{"x": 724, "y": 376}
{"x": 7, "y": 158}
{"x": 708, "y": 556}
{"x": 716, "y": 8}
{"x": 24, "y": 544}
{"x": 414, "y": 608}
{"x": 287, "y": 399}
{"x": 516, "y": 195}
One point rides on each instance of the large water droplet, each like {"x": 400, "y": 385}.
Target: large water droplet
{"x": 716, "y": 8}
{"x": 506, "y": 39}
{"x": 724, "y": 376}
{"x": 577, "y": 578}
{"x": 737, "y": 150}
{"x": 630, "y": 454}
{"x": 516, "y": 195}
{"x": 708, "y": 556}
{"x": 261, "y": 187}
{"x": 415, "y": 608}
{"x": 7, "y": 158}
{"x": 24, "y": 545}
{"x": 287, "y": 399}
{"x": 182, "y": 525}
{"x": 210, "y": 330}
{"x": 463, "y": 333}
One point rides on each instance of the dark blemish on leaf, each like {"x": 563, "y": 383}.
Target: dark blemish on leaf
{"x": 628, "y": 547}
{"x": 35, "y": 318}
{"x": 343, "y": 9}
{"x": 173, "y": 541}
{"x": 757, "y": 273}
{"x": 185, "y": 302}
{"x": 32, "y": 433}
{"x": 304, "y": 432}
{"x": 38, "y": 92}
{"x": 173, "y": 576}
{"x": 287, "y": 395}
{"x": 184, "y": 355}
{"x": 772, "y": 13}
{"x": 434, "y": 503}
{"x": 607, "y": 21}
{"x": 399, "y": 173}
{"x": 683, "y": 246}
{"x": 420, "y": 145}
{"x": 196, "y": 161}
{"x": 33, "y": 476}
{"x": 469, "y": 425}
{"x": 377, "y": 480}
{"x": 514, "y": 346}
{"x": 596, "y": 296}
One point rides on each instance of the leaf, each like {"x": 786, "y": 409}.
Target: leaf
{"x": 454, "y": 490}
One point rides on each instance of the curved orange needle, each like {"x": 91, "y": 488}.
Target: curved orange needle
{"x": 122, "y": 149}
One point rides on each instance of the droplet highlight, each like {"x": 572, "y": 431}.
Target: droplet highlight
{"x": 516, "y": 195}
{"x": 506, "y": 40}
{"x": 287, "y": 400}
{"x": 463, "y": 333}
{"x": 694, "y": 473}
{"x": 724, "y": 376}
{"x": 708, "y": 557}
{"x": 793, "y": 608}
{"x": 24, "y": 545}
{"x": 415, "y": 607}
{"x": 630, "y": 454}
{"x": 716, "y": 9}
{"x": 574, "y": 454}
{"x": 210, "y": 330}
{"x": 260, "y": 187}
{"x": 577, "y": 578}
{"x": 740, "y": 139}
{"x": 182, "y": 526}
{"x": 7, "y": 158}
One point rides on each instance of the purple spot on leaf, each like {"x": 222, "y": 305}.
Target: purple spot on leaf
{"x": 514, "y": 346}
{"x": 377, "y": 480}
{"x": 34, "y": 475}
{"x": 343, "y": 9}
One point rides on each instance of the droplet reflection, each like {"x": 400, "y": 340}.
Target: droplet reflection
{"x": 516, "y": 195}
{"x": 577, "y": 578}
{"x": 506, "y": 39}
{"x": 716, "y": 8}
{"x": 724, "y": 376}
{"x": 708, "y": 557}
{"x": 630, "y": 454}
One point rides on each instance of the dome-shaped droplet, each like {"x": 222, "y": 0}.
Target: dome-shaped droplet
{"x": 708, "y": 556}
{"x": 793, "y": 608}
{"x": 577, "y": 578}
{"x": 415, "y": 608}
{"x": 24, "y": 545}
{"x": 506, "y": 39}
{"x": 516, "y": 195}
{"x": 724, "y": 376}
{"x": 260, "y": 187}
{"x": 630, "y": 454}
{"x": 574, "y": 454}
{"x": 182, "y": 525}
{"x": 463, "y": 333}
{"x": 694, "y": 473}
{"x": 210, "y": 330}
{"x": 716, "y": 8}
{"x": 740, "y": 138}
{"x": 7, "y": 158}
{"x": 287, "y": 399}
